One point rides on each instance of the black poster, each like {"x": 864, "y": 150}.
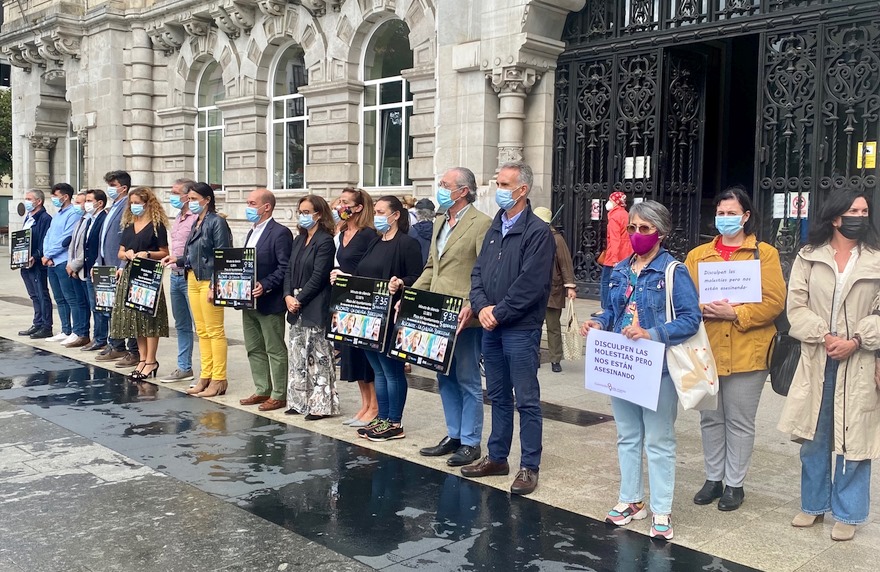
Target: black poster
{"x": 21, "y": 249}
{"x": 425, "y": 331}
{"x": 360, "y": 309}
{"x": 235, "y": 275}
{"x": 145, "y": 286}
{"x": 104, "y": 281}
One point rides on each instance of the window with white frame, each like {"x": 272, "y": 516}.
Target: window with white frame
{"x": 387, "y": 107}
{"x": 209, "y": 126}
{"x": 74, "y": 160}
{"x": 287, "y": 154}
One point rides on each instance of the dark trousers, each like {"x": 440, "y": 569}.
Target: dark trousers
{"x": 511, "y": 359}
{"x": 36, "y": 281}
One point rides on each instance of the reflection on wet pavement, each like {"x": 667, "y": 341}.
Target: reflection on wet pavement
{"x": 383, "y": 511}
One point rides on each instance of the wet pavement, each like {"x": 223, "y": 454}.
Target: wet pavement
{"x": 381, "y": 511}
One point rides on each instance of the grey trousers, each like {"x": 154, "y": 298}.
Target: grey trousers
{"x": 729, "y": 431}
{"x": 554, "y": 333}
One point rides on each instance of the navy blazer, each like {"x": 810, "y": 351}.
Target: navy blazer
{"x": 273, "y": 256}
{"x": 113, "y": 236}
{"x": 42, "y": 220}
{"x": 93, "y": 241}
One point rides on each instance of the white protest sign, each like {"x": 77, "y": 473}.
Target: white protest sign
{"x": 737, "y": 282}
{"x": 623, "y": 368}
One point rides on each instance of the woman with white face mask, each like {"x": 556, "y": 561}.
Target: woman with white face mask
{"x": 740, "y": 336}
{"x": 617, "y": 246}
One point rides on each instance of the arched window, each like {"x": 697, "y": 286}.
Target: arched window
{"x": 387, "y": 107}
{"x": 209, "y": 126}
{"x": 288, "y": 117}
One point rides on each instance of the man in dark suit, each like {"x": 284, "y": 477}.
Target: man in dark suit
{"x": 95, "y": 206}
{"x": 264, "y": 326}
{"x": 35, "y": 275}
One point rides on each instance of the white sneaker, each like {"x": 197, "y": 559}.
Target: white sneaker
{"x": 70, "y": 339}
{"x": 59, "y": 337}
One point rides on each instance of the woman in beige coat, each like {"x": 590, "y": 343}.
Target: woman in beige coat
{"x": 834, "y": 403}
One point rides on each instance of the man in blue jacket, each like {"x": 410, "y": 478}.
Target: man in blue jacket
{"x": 510, "y": 285}
{"x": 55, "y": 246}
{"x": 35, "y": 275}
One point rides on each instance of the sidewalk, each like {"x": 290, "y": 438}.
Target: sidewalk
{"x": 579, "y": 468}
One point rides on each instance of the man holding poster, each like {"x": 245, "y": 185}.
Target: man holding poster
{"x": 455, "y": 243}
{"x": 35, "y": 274}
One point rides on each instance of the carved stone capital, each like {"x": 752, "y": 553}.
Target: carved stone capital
{"x": 13, "y": 55}
{"x": 31, "y": 55}
{"x": 167, "y": 36}
{"x": 46, "y": 48}
{"x": 513, "y": 79}
{"x": 233, "y": 17}
{"x": 42, "y": 141}
{"x": 196, "y": 25}
{"x": 67, "y": 43}
{"x": 272, "y": 8}
{"x": 509, "y": 154}
{"x": 224, "y": 21}
{"x": 56, "y": 77}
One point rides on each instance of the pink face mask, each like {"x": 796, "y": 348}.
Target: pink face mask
{"x": 643, "y": 243}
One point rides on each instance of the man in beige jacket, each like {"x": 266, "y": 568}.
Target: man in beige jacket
{"x": 455, "y": 244}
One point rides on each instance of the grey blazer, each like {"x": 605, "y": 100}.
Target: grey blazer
{"x": 76, "y": 252}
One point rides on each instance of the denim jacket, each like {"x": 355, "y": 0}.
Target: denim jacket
{"x": 650, "y": 299}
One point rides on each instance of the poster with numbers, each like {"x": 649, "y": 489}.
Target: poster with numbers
{"x": 425, "y": 331}
{"x": 360, "y": 312}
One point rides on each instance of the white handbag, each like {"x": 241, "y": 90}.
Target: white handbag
{"x": 572, "y": 341}
{"x": 691, "y": 363}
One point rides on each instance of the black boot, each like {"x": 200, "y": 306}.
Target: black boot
{"x": 711, "y": 490}
{"x": 731, "y": 499}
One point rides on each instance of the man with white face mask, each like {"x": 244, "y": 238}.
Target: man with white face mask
{"x": 96, "y": 201}
{"x": 35, "y": 275}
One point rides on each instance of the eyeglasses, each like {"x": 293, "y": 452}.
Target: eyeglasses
{"x": 641, "y": 229}
{"x": 450, "y": 189}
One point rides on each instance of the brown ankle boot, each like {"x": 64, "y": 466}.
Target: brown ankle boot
{"x": 200, "y": 386}
{"x": 215, "y": 388}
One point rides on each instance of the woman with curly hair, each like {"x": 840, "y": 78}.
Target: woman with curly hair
{"x": 144, "y": 235}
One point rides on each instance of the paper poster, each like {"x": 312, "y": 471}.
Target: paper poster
{"x": 737, "y": 282}
{"x": 595, "y": 209}
{"x": 235, "y": 275}
{"x": 623, "y": 368}
{"x": 799, "y": 205}
{"x": 425, "y": 331}
{"x": 104, "y": 282}
{"x": 360, "y": 310}
{"x": 21, "y": 249}
{"x": 145, "y": 286}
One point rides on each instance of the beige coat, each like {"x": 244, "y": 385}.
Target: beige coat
{"x": 450, "y": 273}
{"x": 856, "y": 396}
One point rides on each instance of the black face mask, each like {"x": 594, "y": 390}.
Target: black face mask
{"x": 854, "y": 227}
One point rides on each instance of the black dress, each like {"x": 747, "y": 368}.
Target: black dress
{"x": 127, "y": 322}
{"x": 353, "y": 362}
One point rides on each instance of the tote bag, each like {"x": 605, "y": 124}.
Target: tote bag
{"x": 691, "y": 363}
{"x": 573, "y": 343}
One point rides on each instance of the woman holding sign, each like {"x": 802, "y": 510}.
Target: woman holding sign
{"x": 637, "y": 310}
{"x": 144, "y": 235}
{"x": 744, "y": 324}
{"x": 833, "y": 405}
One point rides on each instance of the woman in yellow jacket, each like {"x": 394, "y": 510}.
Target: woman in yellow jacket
{"x": 729, "y": 432}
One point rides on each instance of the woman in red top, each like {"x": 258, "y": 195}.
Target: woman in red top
{"x": 617, "y": 246}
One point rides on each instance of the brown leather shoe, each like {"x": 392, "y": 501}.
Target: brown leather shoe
{"x": 273, "y": 404}
{"x": 525, "y": 482}
{"x": 111, "y": 355}
{"x": 254, "y": 399}
{"x": 485, "y": 468}
{"x": 129, "y": 360}
{"x": 79, "y": 342}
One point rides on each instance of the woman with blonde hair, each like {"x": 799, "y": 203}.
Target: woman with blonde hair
{"x": 144, "y": 235}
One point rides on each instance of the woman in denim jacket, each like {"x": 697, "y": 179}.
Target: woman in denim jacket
{"x": 637, "y": 309}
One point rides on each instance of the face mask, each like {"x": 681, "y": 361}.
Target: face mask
{"x": 175, "y": 201}
{"x": 504, "y": 199}
{"x": 854, "y": 227}
{"x": 306, "y": 221}
{"x": 345, "y": 213}
{"x": 609, "y": 206}
{"x": 381, "y": 223}
{"x": 729, "y": 225}
{"x": 335, "y": 214}
{"x": 195, "y": 207}
{"x": 112, "y": 192}
{"x": 444, "y": 198}
{"x": 29, "y": 206}
{"x": 137, "y": 210}
{"x": 78, "y": 209}
{"x": 643, "y": 243}
{"x": 90, "y": 207}
{"x": 252, "y": 214}
{"x": 57, "y": 202}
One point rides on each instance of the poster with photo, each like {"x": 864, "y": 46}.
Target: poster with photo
{"x": 21, "y": 249}
{"x": 425, "y": 331}
{"x": 235, "y": 275}
{"x": 144, "y": 286}
{"x": 104, "y": 282}
{"x": 360, "y": 310}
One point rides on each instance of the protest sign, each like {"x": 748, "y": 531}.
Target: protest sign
{"x": 235, "y": 275}
{"x": 425, "y": 331}
{"x": 104, "y": 282}
{"x": 737, "y": 282}
{"x": 21, "y": 249}
{"x": 623, "y": 368}
{"x": 144, "y": 286}
{"x": 360, "y": 310}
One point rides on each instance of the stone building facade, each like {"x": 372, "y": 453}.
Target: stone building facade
{"x": 294, "y": 95}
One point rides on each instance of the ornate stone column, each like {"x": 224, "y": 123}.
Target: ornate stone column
{"x": 42, "y": 145}
{"x": 512, "y": 84}
{"x": 141, "y": 102}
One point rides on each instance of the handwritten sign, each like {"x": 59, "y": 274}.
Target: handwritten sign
{"x": 623, "y": 368}
{"x": 737, "y": 282}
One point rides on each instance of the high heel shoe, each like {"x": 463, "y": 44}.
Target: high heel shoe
{"x": 137, "y": 374}
{"x": 215, "y": 388}
{"x": 200, "y": 386}
{"x": 152, "y": 373}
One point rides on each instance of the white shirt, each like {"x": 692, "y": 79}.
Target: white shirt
{"x": 28, "y": 222}
{"x": 256, "y": 233}
{"x": 842, "y": 277}
{"x": 446, "y": 230}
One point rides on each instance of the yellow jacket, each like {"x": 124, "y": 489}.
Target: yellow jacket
{"x": 753, "y": 330}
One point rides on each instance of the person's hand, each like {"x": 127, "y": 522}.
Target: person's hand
{"x": 635, "y": 333}
{"x": 464, "y": 316}
{"x": 395, "y": 284}
{"x": 69, "y": 270}
{"x": 168, "y": 261}
{"x": 487, "y": 318}
{"x": 130, "y": 254}
{"x": 31, "y": 262}
{"x": 572, "y": 293}
{"x": 336, "y": 272}
{"x": 118, "y": 273}
{"x": 45, "y": 261}
{"x": 292, "y": 304}
{"x": 720, "y": 310}
{"x": 141, "y": 254}
{"x": 257, "y": 291}
{"x": 830, "y": 340}
{"x": 589, "y": 325}
{"x": 840, "y": 349}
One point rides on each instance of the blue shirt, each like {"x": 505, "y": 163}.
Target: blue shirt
{"x": 61, "y": 228}
{"x": 507, "y": 223}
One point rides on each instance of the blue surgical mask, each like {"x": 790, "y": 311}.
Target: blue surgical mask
{"x": 251, "y": 214}
{"x": 78, "y": 209}
{"x": 504, "y": 199}
{"x": 728, "y": 225}
{"x": 444, "y": 198}
{"x": 175, "y": 201}
{"x": 137, "y": 210}
{"x": 306, "y": 221}
{"x": 381, "y": 223}
{"x": 29, "y": 206}
{"x": 112, "y": 192}
{"x": 195, "y": 207}
{"x": 335, "y": 214}
{"x": 57, "y": 202}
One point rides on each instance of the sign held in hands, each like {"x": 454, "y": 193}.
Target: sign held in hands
{"x": 623, "y": 368}
{"x": 737, "y": 282}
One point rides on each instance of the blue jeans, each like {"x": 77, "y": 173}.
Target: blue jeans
{"x": 391, "y": 385}
{"x": 183, "y": 321}
{"x": 511, "y": 360}
{"x": 101, "y": 319}
{"x": 62, "y": 290}
{"x": 36, "y": 281}
{"x": 462, "y": 390}
{"x": 604, "y": 281}
{"x": 848, "y": 495}
{"x": 79, "y": 309}
{"x": 654, "y": 431}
